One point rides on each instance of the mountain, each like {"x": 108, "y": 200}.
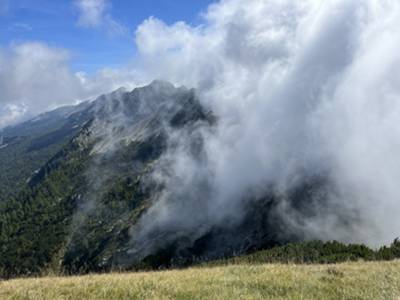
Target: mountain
{"x": 75, "y": 211}
{"x": 80, "y": 179}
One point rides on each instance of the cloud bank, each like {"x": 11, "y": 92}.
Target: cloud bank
{"x": 302, "y": 89}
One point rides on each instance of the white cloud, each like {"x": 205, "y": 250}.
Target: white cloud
{"x": 35, "y": 77}
{"x": 95, "y": 14}
{"x": 301, "y": 88}
{"x": 92, "y": 12}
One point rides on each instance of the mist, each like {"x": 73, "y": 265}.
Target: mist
{"x": 301, "y": 90}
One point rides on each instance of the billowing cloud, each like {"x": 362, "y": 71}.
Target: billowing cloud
{"x": 302, "y": 89}
{"x": 35, "y": 77}
{"x": 95, "y": 13}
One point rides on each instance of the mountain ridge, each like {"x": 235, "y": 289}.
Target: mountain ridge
{"x": 57, "y": 189}
{"x": 89, "y": 207}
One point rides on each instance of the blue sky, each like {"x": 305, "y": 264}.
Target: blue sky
{"x": 56, "y": 23}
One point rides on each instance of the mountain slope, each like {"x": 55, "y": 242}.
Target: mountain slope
{"x": 76, "y": 211}
{"x": 89, "y": 208}
{"x": 26, "y": 147}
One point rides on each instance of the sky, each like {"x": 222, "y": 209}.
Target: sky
{"x": 105, "y": 39}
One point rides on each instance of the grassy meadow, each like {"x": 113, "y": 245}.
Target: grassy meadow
{"x": 353, "y": 280}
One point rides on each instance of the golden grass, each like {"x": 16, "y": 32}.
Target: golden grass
{"x": 372, "y": 280}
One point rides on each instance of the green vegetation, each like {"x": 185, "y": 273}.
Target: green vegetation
{"x": 46, "y": 228}
{"x": 28, "y": 146}
{"x": 356, "y": 280}
{"x": 317, "y": 252}
{"x": 34, "y": 225}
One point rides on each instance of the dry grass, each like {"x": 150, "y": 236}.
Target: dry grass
{"x": 373, "y": 280}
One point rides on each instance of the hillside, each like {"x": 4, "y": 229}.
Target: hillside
{"x": 75, "y": 212}
{"x": 26, "y": 147}
{"x": 357, "y": 280}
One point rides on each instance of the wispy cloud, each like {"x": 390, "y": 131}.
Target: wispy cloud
{"x": 92, "y": 12}
{"x": 21, "y": 27}
{"x": 96, "y": 14}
